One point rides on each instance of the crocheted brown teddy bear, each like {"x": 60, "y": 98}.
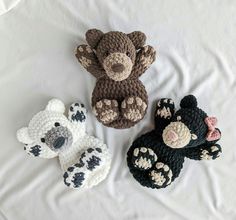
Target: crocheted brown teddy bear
{"x": 117, "y": 60}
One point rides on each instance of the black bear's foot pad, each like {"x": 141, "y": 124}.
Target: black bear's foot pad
{"x": 106, "y": 110}
{"x": 211, "y": 153}
{"x": 143, "y": 158}
{"x": 133, "y": 108}
{"x": 161, "y": 176}
{"x": 165, "y": 108}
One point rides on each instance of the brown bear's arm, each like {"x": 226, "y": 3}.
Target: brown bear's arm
{"x": 144, "y": 58}
{"x": 89, "y": 61}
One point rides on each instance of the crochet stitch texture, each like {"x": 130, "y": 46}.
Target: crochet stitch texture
{"x": 156, "y": 158}
{"x": 85, "y": 160}
{"x": 117, "y": 60}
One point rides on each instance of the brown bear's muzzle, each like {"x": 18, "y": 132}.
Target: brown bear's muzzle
{"x": 118, "y": 66}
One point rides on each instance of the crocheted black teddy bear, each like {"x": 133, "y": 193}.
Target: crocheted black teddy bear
{"x": 156, "y": 158}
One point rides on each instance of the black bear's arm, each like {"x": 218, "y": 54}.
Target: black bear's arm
{"x": 203, "y": 152}
{"x": 144, "y": 58}
{"x": 165, "y": 109}
{"x": 89, "y": 60}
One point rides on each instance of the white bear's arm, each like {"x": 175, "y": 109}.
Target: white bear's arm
{"x": 32, "y": 148}
{"x": 39, "y": 151}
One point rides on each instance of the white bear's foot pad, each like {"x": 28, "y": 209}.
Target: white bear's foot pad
{"x": 77, "y": 112}
{"x": 143, "y": 158}
{"x": 77, "y": 174}
{"x": 76, "y": 179}
{"x": 133, "y": 108}
{"x": 161, "y": 176}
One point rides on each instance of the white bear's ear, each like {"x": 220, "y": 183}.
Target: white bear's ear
{"x": 55, "y": 105}
{"x": 23, "y": 136}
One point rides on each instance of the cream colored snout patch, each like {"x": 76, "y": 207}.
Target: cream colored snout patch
{"x": 176, "y": 135}
{"x": 118, "y": 66}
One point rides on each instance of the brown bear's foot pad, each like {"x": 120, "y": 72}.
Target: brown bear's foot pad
{"x": 106, "y": 111}
{"x": 133, "y": 108}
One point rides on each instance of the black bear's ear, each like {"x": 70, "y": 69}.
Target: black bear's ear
{"x": 138, "y": 38}
{"x": 93, "y": 36}
{"x": 188, "y": 101}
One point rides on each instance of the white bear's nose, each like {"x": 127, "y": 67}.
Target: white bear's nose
{"x": 58, "y": 143}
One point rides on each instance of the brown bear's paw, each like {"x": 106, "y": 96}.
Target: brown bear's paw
{"x": 85, "y": 55}
{"x": 106, "y": 110}
{"x": 133, "y": 108}
{"x": 148, "y": 55}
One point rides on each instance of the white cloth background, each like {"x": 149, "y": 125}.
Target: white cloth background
{"x": 196, "y": 44}
{"x": 6, "y": 5}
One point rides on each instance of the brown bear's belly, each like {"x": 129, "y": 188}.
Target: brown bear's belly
{"x": 109, "y": 89}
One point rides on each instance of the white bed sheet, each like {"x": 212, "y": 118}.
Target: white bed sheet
{"x": 196, "y": 44}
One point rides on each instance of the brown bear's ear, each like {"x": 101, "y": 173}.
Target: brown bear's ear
{"x": 93, "y": 36}
{"x": 138, "y": 38}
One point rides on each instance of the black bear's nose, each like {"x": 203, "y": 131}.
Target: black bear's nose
{"x": 58, "y": 142}
{"x": 118, "y": 67}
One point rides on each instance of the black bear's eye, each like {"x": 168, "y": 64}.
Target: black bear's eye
{"x": 43, "y": 140}
{"x": 128, "y": 53}
{"x": 57, "y": 124}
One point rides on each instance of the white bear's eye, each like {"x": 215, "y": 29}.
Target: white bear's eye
{"x": 57, "y": 124}
{"x": 43, "y": 140}
{"x": 194, "y": 136}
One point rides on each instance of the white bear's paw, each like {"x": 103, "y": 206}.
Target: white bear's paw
{"x": 77, "y": 112}
{"x": 74, "y": 177}
{"x": 77, "y": 174}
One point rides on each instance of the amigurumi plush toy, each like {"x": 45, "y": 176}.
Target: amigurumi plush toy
{"x": 156, "y": 158}
{"x": 85, "y": 160}
{"x": 117, "y": 60}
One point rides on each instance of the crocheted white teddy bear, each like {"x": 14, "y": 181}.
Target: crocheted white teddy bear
{"x": 85, "y": 160}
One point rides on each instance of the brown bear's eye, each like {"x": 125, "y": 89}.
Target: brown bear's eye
{"x": 43, "y": 140}
{"x": 106, "y": 53}
{"x": 128, "y": 53}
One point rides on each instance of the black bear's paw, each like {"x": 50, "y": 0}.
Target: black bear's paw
{"x": 165, "y": 108}
{"x": 143, "y": 158}
{"x": 161, "y": 176}
{"x": 211, "y": 153}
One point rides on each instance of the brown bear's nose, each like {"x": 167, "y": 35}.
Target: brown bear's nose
{"x": 118, "y": 67}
